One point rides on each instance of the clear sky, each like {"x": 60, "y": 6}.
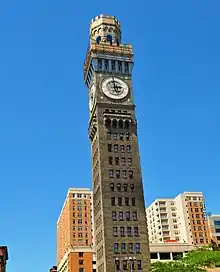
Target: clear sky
{"x": 44, "y": 147}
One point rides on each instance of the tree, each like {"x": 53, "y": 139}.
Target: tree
{"x": 176, "y": 266}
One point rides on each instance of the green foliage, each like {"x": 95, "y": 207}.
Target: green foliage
{"x": 195, "y": 261}
{"x": 176, "y": 266}
{"x": 203, "y": 258}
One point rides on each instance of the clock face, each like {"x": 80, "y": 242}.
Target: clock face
{"x": 114, "y": 88}
{"x": 91, "y": 96}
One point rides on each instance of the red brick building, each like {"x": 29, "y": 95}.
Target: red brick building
{"x": 3, "y": 258}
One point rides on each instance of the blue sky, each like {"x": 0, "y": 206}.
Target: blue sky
{"x": 44, "y": 147}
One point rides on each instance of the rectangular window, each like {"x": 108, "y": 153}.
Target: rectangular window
{"x": 121, "y": 136}
{"x": 120, "y": 201}
{"x": 80, "y": 235}
{"x": 129, "y": 231}
{"x": 116, "y": 248}
{"x": 197, "y": 215}
{"x": 133, "y": 202}
{"x": 117, "y": 173}
{"x": 110, "y": 160}
{"x": 199, "y": 222}
{"x": 111, "y": 173}
{"x": 123, "y": 161}
{"x": 132, "y": 187}
{"x": 116, "y": 148}
{"x": 136, "y": 231}
{"x": 81, "y": 269}
{"x": 106, "y": 64}
{"x": 99, "y": 63}
{"x": 199, "y": 227}
{"x": 125, "y": 264}
{"x": 109, "y": 135}
{"x": 115, "y": 136}
{"x": 127, "y": 201}
{"x": 134, "y": 216}
{"x": 123, "y": 247}
{"x": 115, "y": 231}
{"x": 131, "y": 174}
{"x": 139, "y": 265}
{"x": 117, "y": 160}
{"x": 125, "y": 187}
{"x": 79, "y": 221}
{"x": 128, "y": 217}
{"x": 122, "y": 231}
{"x": 129, "y": 161}
{"x": 81, "y": 254}
{"x": 113, "y": 65}
{"x": 109, "y": 148}
{"x": 122, "y": 148}
{"x": 131, "y": 247}
{"x": 126, "y": 67}
{"x": 121, "y": 216}
{"x": 114, "y": 215}
{"x": 196, "y": 209}
{"x": 128, "y": 148}
{"x": 113, "y": 201}
{"x": 124, "y": 173}
{"x": 138, "y": 247}
{"x": 119, "y": 66}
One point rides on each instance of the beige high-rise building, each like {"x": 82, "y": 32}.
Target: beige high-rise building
{"x": 74, "y": 233}
{"x": 179, "y": 220}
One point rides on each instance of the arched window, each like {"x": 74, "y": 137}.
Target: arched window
{"x": 114, "y": 123}
{"x": 127, "y": 124}
{"x": 120, "y": 124}
{"x": 108, "y": 122}
{"x": 109, "y": 38}
{"x": 98, "y": 39}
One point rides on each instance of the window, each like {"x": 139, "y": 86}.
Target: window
{"x": 123, "y": 161}
{"x": 128, "y": 216}
{"x": 136, "y": 231}
{"x": 133, "y": 201}
{"x": 115, "y": 136}
{"x": 199, "y": 222}
{"x": 109, "y": 135}
{"x": 109, "y": 148}
{"x": 196, "y": 209}
{"x": 124, "y": 173}
{"x": 115, "y": 231}
{"x": 129, "y": 161}
{"x": 122, "y": 148}
{"x": 119, "y": 187}
{"x": 80, "y": 262}
{"x": 138, "y": 247}
{"x": 121, "y": 216}
{"x": 80, "y": 215}
{"x": 199, "y": 227}
{"x": 117, "y": 160}
{"x": 113, "y": 201}
{"x": 121, "y": 136}
{"x": 79, "y": 208}
{"x": 117, "y": 173}
{"x": 119, "y": 66}
{"x": 128, "y": 148}
{"x": 126, "y": 67}
{"x": 122, "y": 231}
{"x": 81, "y": 254}
{"x": 132, "y": 187}
{"x": 116, "y": 148}
{"x": 123, "y": 247}
{"x": 111, "y": 173}
{"x": 110, "y": 160}
{"x": 125, "y": 187}
{"x": 115, "y": 247}
{"x": 114, "y": 123}
{"x": 127, "y": 201}
{"x": 197, "y": 215}
{"x": 134, "y": 216}
{"x": 131, "y": 174}
{"x": 114, "y": 215}
{"x": 173, "y": 214}
{"x": 127, "y": 124}
{"x": 120, "y": 124}
{"x": 129, "y": 232}
{"x": 131, "y": 247}
{"x": 127, "y": 136}
{"x": 79, "y": 221}
{"x": 139, "y": 265}
{"x": 81, "y": 269}
{"x": 117, "y": 265}
{"x": 99, "y": 60}
{"x": 120, "y": 201}
{"x": 112, "y": 186}
{"x": 125, "y": 264}
{"x": 113, "y": 65}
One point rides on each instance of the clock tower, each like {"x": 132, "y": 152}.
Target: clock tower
{"x": 120, "y": 226}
